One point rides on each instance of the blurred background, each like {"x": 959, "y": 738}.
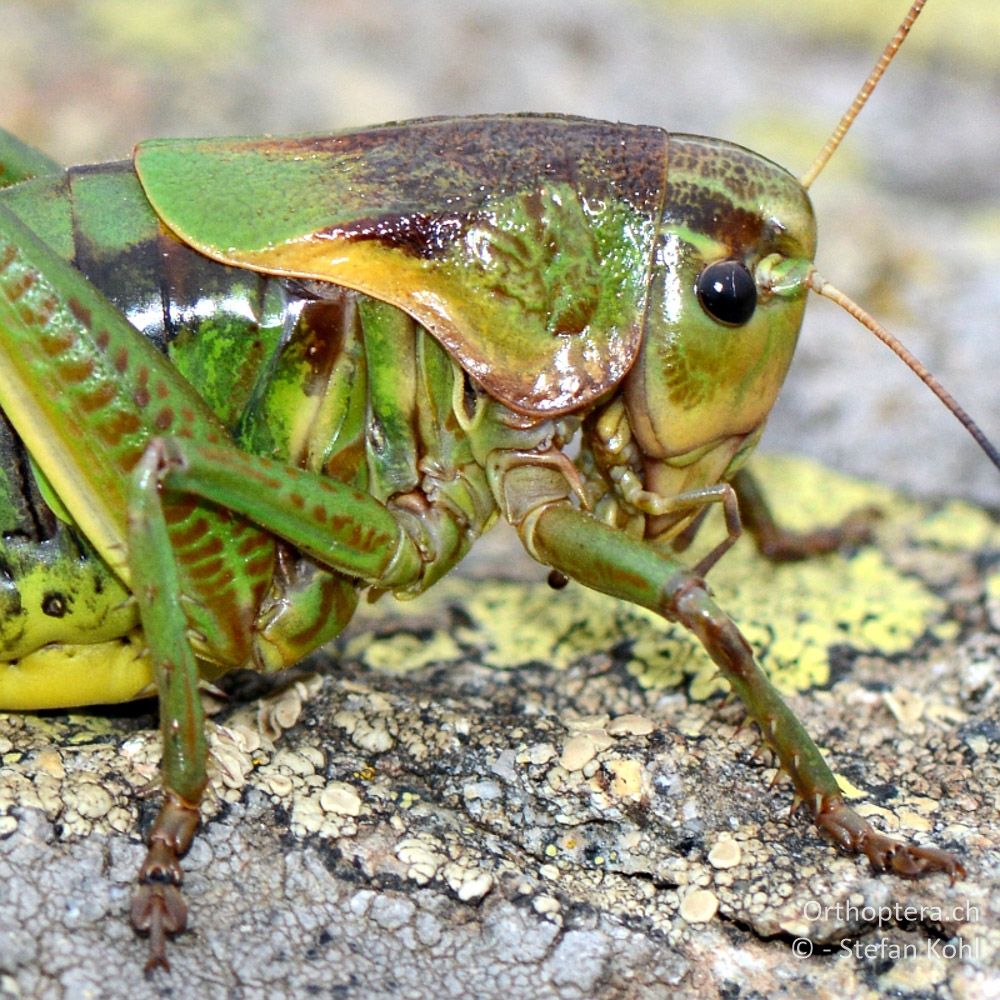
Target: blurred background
{"x": 909, "y": 210}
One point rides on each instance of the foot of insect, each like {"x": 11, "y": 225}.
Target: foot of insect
{"x": 158, "y": 907}
{"x": 781, "y": 545}
{"x": 582, "y": 548}
{"x": 849, "y": 831}
{"x": 688, "y": 603}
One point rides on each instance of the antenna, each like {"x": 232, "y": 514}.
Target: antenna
{"x": 823, "y": 287}
{"x": 862, "y": 96}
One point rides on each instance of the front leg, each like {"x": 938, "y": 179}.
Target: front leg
{"x": 598, "y": 556}
{"x": 782, "y": 545}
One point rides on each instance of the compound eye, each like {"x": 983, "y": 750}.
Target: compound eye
{"x": 727, "y": 292}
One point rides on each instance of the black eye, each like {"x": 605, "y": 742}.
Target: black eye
{"x": 727, "y": 292}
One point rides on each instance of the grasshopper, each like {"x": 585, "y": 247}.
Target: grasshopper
{"x": 292, "y": 372}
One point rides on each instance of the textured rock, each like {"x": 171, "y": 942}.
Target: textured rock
{"x": 462, "y": 853}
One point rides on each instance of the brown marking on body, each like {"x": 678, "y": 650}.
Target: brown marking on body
{"x": 116, "y": 426}
{"x": 457, "y": 155}
{"x": 80, "y": 312}
{"x": 9, "y": 256}
{"x": 75, "y": 371}
{"x": 179, "y": 508}
{"x": 249, "y": 545}
{"x": 321, "y": 334}
{"x": 55, "y": 344}
{"x": 213, "y": 547}
{"x": 20, "y": 286}
{"x": 374, "y": 540}
{"x": 163, "y": 419}
{"x": 186, "y": 536}
{"x": 202, "y": 571}
{"x": 415, "y": 233}
{"x": 97, "y": 398}
{"x": 345, "y": 464}
{"x": 261, "y": 565}
{"x": 716, "y": 216}
{"x": 41, "y": 314}
{"x": 625, "y": 580}
{"x": 128, "y": 458}
{"x": 430, "y": 180}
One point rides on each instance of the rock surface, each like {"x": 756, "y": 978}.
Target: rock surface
{"x": 485, "y": 796}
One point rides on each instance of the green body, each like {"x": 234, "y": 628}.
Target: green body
{"x": 250, "y": 379}
{"x": 328, "y": 379}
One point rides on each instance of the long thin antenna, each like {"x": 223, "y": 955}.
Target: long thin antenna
{"x": 819, "y": 284}
{"x": 863, "y": 94}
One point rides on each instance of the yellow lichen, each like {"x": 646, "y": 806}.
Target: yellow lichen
{"x": 958, "y": 526}
{"x": 627, "y": 779}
